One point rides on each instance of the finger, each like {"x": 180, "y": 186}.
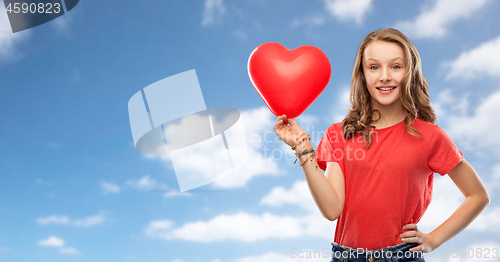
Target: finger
{"x": 280, "y": 118}
{"x": 410, "y": 226}
{"x": 285, "y": 121}
{"x": 412, "y": 233}
{"x": 422, "y": 248}
{"x": 280, "y": 121}
{"x": 292, "y": 121}
{"x": 412, "y": 240}
{"x": 417, "y": 248}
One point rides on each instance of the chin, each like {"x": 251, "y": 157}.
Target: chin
{"x": 387, "y": 102}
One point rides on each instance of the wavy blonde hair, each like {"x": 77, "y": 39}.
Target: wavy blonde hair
{"x": 414, "y": 89}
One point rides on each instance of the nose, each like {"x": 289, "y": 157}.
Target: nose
{"x": 385, "y": 75}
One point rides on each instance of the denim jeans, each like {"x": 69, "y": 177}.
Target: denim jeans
{"x": 397, "y": 253}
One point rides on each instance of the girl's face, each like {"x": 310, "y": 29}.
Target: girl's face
{"x": 384, "y": 69}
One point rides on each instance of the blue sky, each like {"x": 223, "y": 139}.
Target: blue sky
{"x": 74, "y": 188}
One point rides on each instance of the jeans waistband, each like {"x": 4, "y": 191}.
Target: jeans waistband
{"x": 400, "y": 250}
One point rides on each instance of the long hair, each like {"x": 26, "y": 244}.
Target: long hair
{"x": 414, "y": 89}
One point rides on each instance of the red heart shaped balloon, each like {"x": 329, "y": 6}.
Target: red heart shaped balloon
{"x": 288, "y": 81}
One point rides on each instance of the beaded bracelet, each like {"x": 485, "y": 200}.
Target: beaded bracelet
{"x": 313, "y": 153}
{"x": 305, "y": 152}
{"x": 301, "y": 140}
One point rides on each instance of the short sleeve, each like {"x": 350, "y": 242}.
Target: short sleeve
{"x": 444, "y": 155}
{"x": 330, "y": 148}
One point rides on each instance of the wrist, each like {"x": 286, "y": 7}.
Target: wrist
{"x": 300, "y": 147}
{"x": 304, "y": 151}
{"x": 435, "y": 241}
{"x": 303, "y": 137}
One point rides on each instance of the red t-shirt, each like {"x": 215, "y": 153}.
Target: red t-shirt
{"x": 389, "y": 184}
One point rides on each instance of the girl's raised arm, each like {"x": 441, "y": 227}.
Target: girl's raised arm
{"x": 327, "y": 190}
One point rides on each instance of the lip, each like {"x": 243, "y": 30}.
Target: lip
{"x": 385, "y": 92}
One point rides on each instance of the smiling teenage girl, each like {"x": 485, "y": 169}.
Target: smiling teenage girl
{"x": 380, "y": 161}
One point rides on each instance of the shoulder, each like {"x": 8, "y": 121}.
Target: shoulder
{"x": 334, "y": 133}
{"x": 428, "y": 129}
{"x": 335, "y": 127}
{"x": 424, "y": 126}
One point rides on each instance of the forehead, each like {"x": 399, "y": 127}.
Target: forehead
{"x": 382, "y": 51}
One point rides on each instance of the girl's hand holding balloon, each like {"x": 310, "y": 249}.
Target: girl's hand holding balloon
{"x": 288, "y": 133}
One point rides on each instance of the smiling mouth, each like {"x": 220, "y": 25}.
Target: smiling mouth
{"x": 385, "y": 88}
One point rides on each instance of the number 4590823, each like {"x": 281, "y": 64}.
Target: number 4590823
{"x": 47, "y": 8}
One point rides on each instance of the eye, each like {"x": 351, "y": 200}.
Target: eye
{"x": 374, "y": 67}
{"x": 396, "y": 67}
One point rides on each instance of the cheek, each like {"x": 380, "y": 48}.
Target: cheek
{"x": 399, "y": 77}
{"x": 370, "y": 80}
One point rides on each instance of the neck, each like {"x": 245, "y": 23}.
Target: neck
{"x": 389, "y": 114}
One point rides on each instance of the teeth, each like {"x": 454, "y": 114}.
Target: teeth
{"x": 386, "y": 88}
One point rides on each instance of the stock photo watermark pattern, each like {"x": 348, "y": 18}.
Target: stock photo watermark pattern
{"x": 481, "y": 254}
{"x": 26, "y": 14}
{"x": 170, "y": 117}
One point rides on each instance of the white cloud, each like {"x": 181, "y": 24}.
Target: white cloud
{"x": 175, "y": 193}
{"x": 488, "y": 220}
{"x": 260, "y": 135}
{"x": 342, "y": 106}
{"x": 158, "y": 228}
{"x": 59, "y": 220}
{"x": 242, "y": 227}
{"x": 64, "y": 220}
{"x": 480, "y": 61}
{"x": 62, "y": 22}
{"x": 259, "y": 124}
{"x": 89, "y": 221}
{"x": 108, "y": 187}
{"x": 8, "y": 40}
{"x": 58, "y": 242}
{"x": 213, "y": 12}
{"x": 305, "y": 121}
{"x": 240, "y": 35}
{"x": 347, "y": 10}
{"x": 448, "y": 104}
{"x": 256, "y": 165}
{"x": 248, "y": 227}
{"x": 472, "y": 132}
{"x": 52, "y": 242}
{"x": 42, "y": 182}
{"x": 493, "y": 183}
{"x": 311, "y": 20}
{"x": 144, "y": 183}
{"x": 434, "y": 20}
{"x": 445, "y": 200}
{"x": 69, "y": 250}
{"x": 299, "y": 195}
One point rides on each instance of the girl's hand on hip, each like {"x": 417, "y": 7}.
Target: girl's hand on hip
{"x": 425, "y": 241}
{"x": 288, "y": 133}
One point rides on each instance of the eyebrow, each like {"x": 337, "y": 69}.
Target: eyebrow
{"x": 390, "y": 60}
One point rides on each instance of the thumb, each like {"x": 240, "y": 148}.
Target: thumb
{"x": 292, "y": 122}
